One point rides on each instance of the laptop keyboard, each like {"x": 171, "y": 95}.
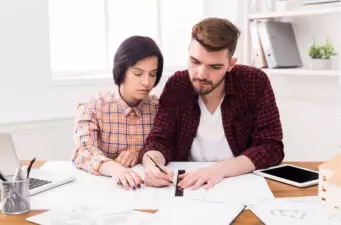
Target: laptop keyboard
{"x": 34, "y": 182}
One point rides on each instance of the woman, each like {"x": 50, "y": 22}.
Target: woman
{"x": 111, "y": 129}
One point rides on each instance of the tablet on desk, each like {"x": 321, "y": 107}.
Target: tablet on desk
{"x": 290, "y": 174}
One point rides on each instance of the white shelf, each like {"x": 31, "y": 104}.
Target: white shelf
{"x": 306, "y": 11}
{"x": 303, "y": 72}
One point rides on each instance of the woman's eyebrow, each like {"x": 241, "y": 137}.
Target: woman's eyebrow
{"x": 136, "y": 68}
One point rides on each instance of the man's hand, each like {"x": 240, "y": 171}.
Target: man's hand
{"x": 128, "y": 178}
{"x": 127, "y": 158}
{"x": 206, "y": 176}
{"x": 155, "y": 178}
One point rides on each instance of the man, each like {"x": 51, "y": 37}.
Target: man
{"x": 214, "y": 111}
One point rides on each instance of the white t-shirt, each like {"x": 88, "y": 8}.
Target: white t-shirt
{"x": 210, "y": 144}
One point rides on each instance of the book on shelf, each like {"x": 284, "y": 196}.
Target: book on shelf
{"x": 279, "y": 44}
{"x": 257, "y": 55}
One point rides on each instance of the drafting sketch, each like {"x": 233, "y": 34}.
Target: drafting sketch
{"x": 280, "y": 211}
{"x": 291, "y": 213}
{"x": 92, "y": 216}
{"x": 335, "y": 219}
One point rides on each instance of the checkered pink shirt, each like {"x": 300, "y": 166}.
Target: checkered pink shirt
{"x": 106, "y": 126}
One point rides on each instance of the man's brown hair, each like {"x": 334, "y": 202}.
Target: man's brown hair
{"x": 215, "y": 34}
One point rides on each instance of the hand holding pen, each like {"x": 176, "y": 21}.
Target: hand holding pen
{"x": 157, "y": 175}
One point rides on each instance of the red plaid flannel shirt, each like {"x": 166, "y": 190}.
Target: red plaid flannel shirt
{"x": 250, "y": 118}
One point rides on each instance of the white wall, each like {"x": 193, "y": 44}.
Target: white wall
{"x": 38, "y": 112}
{"x": 26, "y": 88}
{"x": 309, "y": 106}
{"x": 42, "y": 139}
{"x": 227, "y": 9}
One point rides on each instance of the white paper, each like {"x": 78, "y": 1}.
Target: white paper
{"x": 239, "y": 189}
{"x": 91, "y": 216}
{"x": 182, "y": 211}
{"x": 295, "y": 212}
{"x": 303, "y": 199}
{"x": 152, "y": 197}
{"x": 89, "y": 190}
{"x": 247, "y": 189}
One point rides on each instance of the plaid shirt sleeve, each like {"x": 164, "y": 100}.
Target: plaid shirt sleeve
{"x": 87, "y": 155}
{"x": 266, "y": 137}
{"x": 162, "y": 137}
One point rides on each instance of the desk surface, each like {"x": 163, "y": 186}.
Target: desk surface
{"x": 247, "y": 217}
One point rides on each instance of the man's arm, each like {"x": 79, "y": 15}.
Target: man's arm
{"x": 157, "y": 156}
{"x": 266, "y": 136}
{"x": 236, "y": 166}
{"x": 161, "y": 140}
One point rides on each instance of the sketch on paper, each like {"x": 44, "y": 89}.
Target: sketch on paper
{"x": 92, "y": 216}
{"x": 335, "y": 219}
{"x": 291, "y": 213}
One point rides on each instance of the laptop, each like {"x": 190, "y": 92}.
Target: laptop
{"x": 40, "y": 180}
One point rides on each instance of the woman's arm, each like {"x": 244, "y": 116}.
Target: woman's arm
{"x": 87, "y": 155}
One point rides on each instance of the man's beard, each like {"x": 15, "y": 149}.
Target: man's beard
{"x": 213, "y": 86}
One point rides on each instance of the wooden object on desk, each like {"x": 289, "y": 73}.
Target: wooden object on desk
{"x": 329, "y": 189}
{"x": 247, "y": 217}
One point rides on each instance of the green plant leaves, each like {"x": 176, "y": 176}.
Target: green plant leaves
{"x": 322, "y": 51}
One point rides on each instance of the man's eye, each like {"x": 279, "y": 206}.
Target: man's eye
{"x": 195, "y": 62}
{"x": 216, "y": 67}
{"x": 138, "y": 74}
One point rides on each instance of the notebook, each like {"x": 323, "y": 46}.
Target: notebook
{"x": 40, "y": 180}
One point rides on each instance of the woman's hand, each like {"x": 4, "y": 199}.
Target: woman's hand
{"x": 128, "y": 178}
{"x": 127, "y": 158}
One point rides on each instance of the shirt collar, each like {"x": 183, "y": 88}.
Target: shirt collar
{"x": 127, "y": 110}
{"x": 229, "y": 86}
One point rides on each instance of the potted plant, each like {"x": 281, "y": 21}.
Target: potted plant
{"x": 320, "y": 55}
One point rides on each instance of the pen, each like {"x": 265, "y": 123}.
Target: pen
{"x": 162, "y": 171}
{"x": 30, "y": 166}
{"x": 18, "y": 174}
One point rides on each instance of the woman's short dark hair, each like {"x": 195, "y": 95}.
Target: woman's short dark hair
{"x": 132, "y": 50}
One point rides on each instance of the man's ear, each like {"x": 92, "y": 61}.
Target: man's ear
{"x": 233, "y": 62}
